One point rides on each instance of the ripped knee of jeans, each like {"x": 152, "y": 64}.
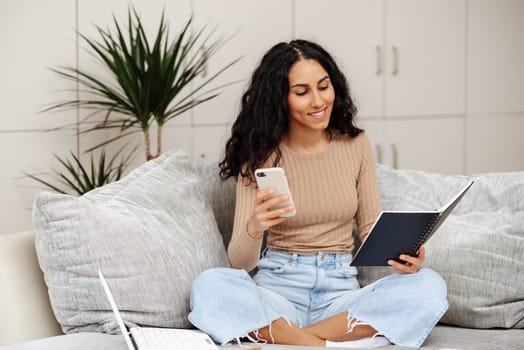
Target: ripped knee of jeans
{"x": 352, "y": 322}
{"x": 255, "y": 337}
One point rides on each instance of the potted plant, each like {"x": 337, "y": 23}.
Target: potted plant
{"x": 147, "y": 83}
{"x": 75, "y": 178}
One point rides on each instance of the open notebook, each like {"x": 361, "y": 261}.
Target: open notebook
{"x": 402, "y": 232}
{"x": 147, "y": 338}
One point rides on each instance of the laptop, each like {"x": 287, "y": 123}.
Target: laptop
{"x": 149, "y": 338}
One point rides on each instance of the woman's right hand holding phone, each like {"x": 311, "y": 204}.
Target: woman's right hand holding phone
{"x": 265, "y": 213}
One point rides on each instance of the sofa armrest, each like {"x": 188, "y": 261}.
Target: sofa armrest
{"x": 26, "y": 312}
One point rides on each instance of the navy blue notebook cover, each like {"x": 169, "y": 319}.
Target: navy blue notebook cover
{"x": 401, "y": 232}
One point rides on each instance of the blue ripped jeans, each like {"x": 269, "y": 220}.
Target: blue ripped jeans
{"x": 228, "y": 303}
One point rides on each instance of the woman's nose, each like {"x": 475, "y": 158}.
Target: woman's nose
{"x": 316, "y": 99}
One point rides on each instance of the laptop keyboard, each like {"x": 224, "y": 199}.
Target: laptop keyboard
{"x": 171, "y": 339}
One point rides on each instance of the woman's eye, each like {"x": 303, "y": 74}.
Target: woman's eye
{"x": 301, "y": 93}
{"x": 323, "y": 87}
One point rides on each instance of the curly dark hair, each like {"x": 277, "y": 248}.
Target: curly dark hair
{"x": 264, "y": 114}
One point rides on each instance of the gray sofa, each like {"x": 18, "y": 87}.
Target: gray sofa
{"x": 143, "y": 231}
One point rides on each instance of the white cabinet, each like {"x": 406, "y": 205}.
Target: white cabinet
{"x": 258, "y": 26}
{"x": 435, "y": 145}
{"x": 425, "y": 57}
{"x": 209, "y": 141}
{"x": 177, "y": 137}
{"x": 352, "y": 31}
{"x": 495, "y": 56}
{"x": 495, "y": 98}
{"x": 405, "y": 62}
{"x": 402, "y": 57}
{"x": 495, "y": 143}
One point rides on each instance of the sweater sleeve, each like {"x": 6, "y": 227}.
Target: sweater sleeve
{"x": 369, "y": 205}
{"x": 243, "y": 251}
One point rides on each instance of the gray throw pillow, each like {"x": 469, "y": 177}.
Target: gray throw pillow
{"x": 221, "y": 195}
{"x": 479, "y": 248}
{"x": 150, "y": 233}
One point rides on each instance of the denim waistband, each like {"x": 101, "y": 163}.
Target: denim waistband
{"x": 317, "y": 259}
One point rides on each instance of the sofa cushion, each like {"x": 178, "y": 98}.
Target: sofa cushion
{"x": 477, "y": 250}
{"x": 221, "y": 195}
{"x": 441, "y": 337}
{"x": 151, "y": 234}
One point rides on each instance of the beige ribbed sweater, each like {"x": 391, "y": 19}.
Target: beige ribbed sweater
{"x": 330, "y": 188}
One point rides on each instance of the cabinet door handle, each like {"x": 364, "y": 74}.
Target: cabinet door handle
{"x": 378, "y": 51}
{"x": 378, "y": 150}
{"x": 394, "y": 51}
{"x": 394, "y": 154}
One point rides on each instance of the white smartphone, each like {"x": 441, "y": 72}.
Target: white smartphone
{"x": 275, "y": 178}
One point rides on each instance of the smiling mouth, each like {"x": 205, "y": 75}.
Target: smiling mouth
{"x": 319, "y": 113}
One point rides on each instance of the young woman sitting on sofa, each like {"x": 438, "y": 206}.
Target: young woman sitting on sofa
{"x": 297, "y": 113}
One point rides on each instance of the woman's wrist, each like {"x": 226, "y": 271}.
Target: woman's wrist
{"x": 255, "y": 234}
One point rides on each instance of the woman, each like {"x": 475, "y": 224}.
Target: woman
{"x": 297, "y": 113}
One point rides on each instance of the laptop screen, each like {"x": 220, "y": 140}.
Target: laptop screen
{"x": 123, "y": 328}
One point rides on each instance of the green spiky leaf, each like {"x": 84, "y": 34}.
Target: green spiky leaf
{"x": 147, "y": 81}
{"x": 74, "y": 177}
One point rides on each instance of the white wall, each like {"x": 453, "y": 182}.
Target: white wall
{"x": 36, "y": 35}
{"x": 42, "y": 34}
